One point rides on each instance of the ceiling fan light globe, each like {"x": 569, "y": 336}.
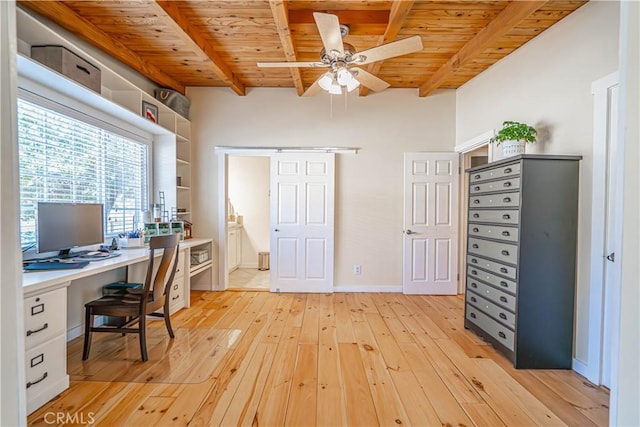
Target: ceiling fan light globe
{"x": 335, "y": 89}
{"x": 326, "y": 81}
{"x": 352, "y": 84}
{"x": 344, "y": 76}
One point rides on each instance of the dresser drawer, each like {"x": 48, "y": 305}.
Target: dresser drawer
{"x": 506, "y": 285}
{"x": 502, "y": 200}
{"x": 500, "y": 332}
{"x": 180, "y": 268}
{"x": 492, "y": 266}
{"x": 502, "y": 185}
{"x": 45, "y": 316}
{"x": 498, "y": 313}
{"x": 503, "y": 252}
{"x": 177, "y": 295}
{"x": 501, "y": 172}
{"x": 494, "y": 232}
{"x": 492, "y": 294}
{"x": 511, "y": 216}
{"x": 45, "y": 365}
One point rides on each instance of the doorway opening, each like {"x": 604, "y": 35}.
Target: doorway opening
{"x": 248, "y": 220}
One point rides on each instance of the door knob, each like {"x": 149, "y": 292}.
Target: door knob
{"x": 612, "y": 257}
{"x": 276, "y": 230}
{"x": 410, "y": 232}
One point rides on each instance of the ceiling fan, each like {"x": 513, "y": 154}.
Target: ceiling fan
{"x": 342, "y": 59}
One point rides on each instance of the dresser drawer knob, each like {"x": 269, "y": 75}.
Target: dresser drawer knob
{"x": 474, "y": 272}
{"x": 475, "y": 246}
{"x": 476, "y": 215}
{"x": 474, "y": 285}
{"x": 507, "y": 184}
{"x": 507, "y": 199}
{"x": 508, "y": 170}
{"x": 42, "y": 378}
{"x": 505, "y": 253}
{"x": 476, "y": 229}
{"x": 506, "y": 216}
{"x": 474, "y": 261}
{"x": 473, "y": 299}
{"x": 503, "y": 316}
{"x": 473, "y": 315}
{"x": 45, "y": 326}
{"x": 502, "y": 335}
{"x": 503, "y": 299}
{"x": 476, "y": 188}
{"x": 476, "y": 177}
{"x": 476, "y": 201}
{"x": 503, "y": 270}
{"x": 504, "y": 284}
{"x": 506, "y": 233}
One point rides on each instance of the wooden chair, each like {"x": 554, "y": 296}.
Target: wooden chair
{"x": 134, "y": 304}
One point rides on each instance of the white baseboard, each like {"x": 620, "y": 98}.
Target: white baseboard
{"x": 78, "y": 331}
{"x": 368, "y": 288}
{"x": 583, "y": 369}
{"x": 254, "y": 266}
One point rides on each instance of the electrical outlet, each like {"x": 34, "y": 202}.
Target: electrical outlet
{"x": 357, "y": 269}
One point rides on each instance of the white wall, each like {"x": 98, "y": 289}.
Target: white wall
{"x": 547, "y": 83}
{"x": 368, "y": 226}
{"x": 249, "y": 193}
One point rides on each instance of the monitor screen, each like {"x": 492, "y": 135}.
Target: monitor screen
{"x": 62, "y": 226}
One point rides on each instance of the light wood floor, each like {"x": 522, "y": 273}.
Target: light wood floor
{"x": 249, "y": 279}
{"x": 342, "y": 359}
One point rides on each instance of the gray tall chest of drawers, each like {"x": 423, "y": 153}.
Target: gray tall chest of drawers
{"x": 521, "y": 257}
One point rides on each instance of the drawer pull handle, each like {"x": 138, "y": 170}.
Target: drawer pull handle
{"x": 474, "y": 272}
{"x": 474, "y": 261}
{"x": 507, "y": 184}
{"x": 507, "y": 170}
{"x": 503, "y": 270}
{"x": 504, "y": 284}
{"x": 83, "y": 69}
{"x": 476, "y": 201}
{"x": 475, "y": 246}
{"x": 476, "y": 177}
{"x": 503, "y": 299}
{"x": 503, "y": 316}
{"x": 42, "y": 378}
{"x": 505, "y": 253}
{"x": 175, "y": 298}
{"x": 474, "y": 285}
{"x": 45, "y": 326}
{"x": 506, "y": 233}
{"x": 476, "y": 229}
{"x": 473, "y": 315}
{"x": 506, "y": 216}
{"x": 476, "y": 188}
{"x": 476, "y": 215}
{"x": 506, "y": 199}
{"x": 502, "y": 335}
{"x": 473, "y": 299}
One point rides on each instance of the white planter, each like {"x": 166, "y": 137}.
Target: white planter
{"x": 512, "y": 148}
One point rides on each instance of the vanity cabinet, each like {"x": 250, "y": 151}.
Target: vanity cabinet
{"x": 521, "y": 257}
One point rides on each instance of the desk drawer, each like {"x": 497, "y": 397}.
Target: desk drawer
{"x": 177, "y": 295}
{"x": 502, "y": 200}
{"x": 499, "y": 232}
{"x": 492, "y": 266}
{"x": 492, "y": 294}
{"x": 502, "y": 185}
{"x": 498, "y": 313}
{"x": 504, "y": 252}
{"x": 511, "y": 216}
{"x": 45, "y": 316}
{"x": 500, "y": 332}
{"x": 180, "y": 268}
{"x": 510, "y": 170}
{"x": 45, "y": 365}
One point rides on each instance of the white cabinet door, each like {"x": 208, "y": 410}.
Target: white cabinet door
{"x": 430, "y": 223}
{"x": 302, "y": 222}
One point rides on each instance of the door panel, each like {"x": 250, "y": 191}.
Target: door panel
{"x": 302, "y": 209}
{"x": 430, "y": 223}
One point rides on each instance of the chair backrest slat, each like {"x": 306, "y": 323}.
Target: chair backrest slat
{"x": 158, "y": 281}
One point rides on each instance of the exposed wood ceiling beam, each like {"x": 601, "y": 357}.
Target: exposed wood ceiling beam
{"x": 280, "y": 16}
{"x": 59, "y": 12}
{"x": 510, "y": 17}
{"x": 399, "y": 11}
{"x": 199, "y": 44}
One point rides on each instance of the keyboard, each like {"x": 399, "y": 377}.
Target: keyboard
{"x": 52, "y": 265}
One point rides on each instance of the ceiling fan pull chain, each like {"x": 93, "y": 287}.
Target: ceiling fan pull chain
{"x": 330, "y": 106}
{"x": 346, "y": 95}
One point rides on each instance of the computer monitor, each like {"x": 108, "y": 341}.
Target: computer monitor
{"x": 62, "y": 226}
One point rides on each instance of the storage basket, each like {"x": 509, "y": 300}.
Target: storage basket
{"x": 174, "y": 100}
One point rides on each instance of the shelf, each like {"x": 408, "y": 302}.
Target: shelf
{"x": 183, "y": 162}
{"x": 197, "y": 268}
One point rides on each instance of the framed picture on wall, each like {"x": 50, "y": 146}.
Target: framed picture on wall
{"x": 150, "y": 111}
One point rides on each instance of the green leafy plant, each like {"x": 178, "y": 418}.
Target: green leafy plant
{"x": 515, "y": 131}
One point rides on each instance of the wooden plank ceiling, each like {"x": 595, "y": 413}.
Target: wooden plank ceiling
{"x": 218, "y": 43}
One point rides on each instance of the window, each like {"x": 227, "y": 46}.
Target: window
{"x": 64, "y": 159}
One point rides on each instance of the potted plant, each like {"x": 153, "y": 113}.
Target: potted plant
{"x": 514, "y": 135}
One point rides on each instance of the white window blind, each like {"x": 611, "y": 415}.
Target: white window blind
{"x": 63, "y": 159}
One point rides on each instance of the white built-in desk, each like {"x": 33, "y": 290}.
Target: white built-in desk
{"x": 45, "y": 310}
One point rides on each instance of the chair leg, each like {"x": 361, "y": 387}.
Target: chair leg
{"x": 142, "y": 324}
{"x": 88, "y": 323}
{"x": 167, "y": 321}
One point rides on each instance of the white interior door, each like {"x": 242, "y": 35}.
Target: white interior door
{"x": 430, "y": 223}
{"x": 302, "y": 222}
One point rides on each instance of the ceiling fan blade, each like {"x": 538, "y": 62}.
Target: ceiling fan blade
{"x": 389, "y": 50}
{"x": 329, "y": 28}
{"x": 369, "y": 80}
{"x": 312, "y": 64}
{"x": 313, "y": 89}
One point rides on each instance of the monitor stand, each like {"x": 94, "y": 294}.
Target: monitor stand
{"x": 66, "y": 254}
